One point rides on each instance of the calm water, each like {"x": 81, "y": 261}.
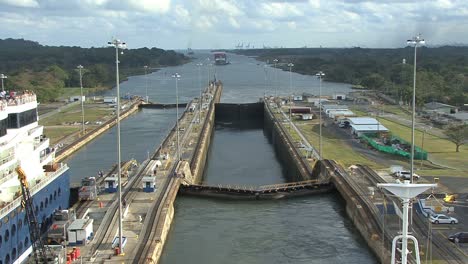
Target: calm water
{"x": 305, "y": 230}
{"x": 244, "y": 81}
{"x": 302, "y": 230}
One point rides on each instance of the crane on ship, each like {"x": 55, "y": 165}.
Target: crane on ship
{"x": 40, "y": 251}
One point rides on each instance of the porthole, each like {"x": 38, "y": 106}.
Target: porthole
{"x": 7, "y": 259}
{"x": 42, "y": 206}
{"x": 26, "y": 242}
{"x": 7, "y": 235}
{"x": 20, "y": 224}
{"x": 13, "y": 230}
{"x": 46, "y": 202}
{"x": 13, "y": 253}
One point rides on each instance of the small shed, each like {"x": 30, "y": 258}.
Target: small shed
{"x": 440, "y": 108}
{"x": 297, "y": 98}
{"x": 316, "y": 101}
{"x": 329, "y": 107}
{"x": 363, "y": 121}
{"x": 110, "y": 184}
{"x": 360, "y": 130}
{"x": 339, "y": 96}
{"x": 80, "y": 231}
{"x": 307, "y": 116}
{"x": 149, "y": 184}
{"x": 77, "y": 98}
{"x": 110, "y": 99}
{"x": 336, "y": 114}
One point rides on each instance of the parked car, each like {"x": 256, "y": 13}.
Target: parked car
{"x": 405, "y": 175}
{"x": 443, "y": 219}
{"x": 460, "y": 237}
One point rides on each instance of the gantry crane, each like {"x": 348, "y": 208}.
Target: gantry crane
{"x": 39, "y": 250}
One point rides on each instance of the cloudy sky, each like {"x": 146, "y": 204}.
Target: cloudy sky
{"x": 178, "y": 24}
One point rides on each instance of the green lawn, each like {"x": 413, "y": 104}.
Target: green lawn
{"x": 57, "y": 133}
{"x": 333, "y": 148}
{"x": 73, "y": 114}
{"x": 75, "y": 91}
{"x": 441, "y": 151}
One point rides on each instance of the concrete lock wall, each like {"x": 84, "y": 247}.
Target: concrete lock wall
{"x": 286, "y": 152}
{"x": 198, "y": 161}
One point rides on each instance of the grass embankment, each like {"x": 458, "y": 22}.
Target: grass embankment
{"x": 333, "y": 147}
{"x": 75, "y": 91}
{"x": 68, "y": 121}
{"x": 441, "y": 151}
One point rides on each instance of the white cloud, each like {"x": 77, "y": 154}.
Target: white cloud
{"x": 222, "y": 7}
{"x": 233, "y": 22}
{"x": 280, "y": 10}
{"x": 156, "y": 6}
{"x": 20, "y": 3}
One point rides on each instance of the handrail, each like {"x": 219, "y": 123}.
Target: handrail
{"x": 34, "y": 189}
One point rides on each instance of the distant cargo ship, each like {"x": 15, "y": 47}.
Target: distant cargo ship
{"x": 220, "y": 58}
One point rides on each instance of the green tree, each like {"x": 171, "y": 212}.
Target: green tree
{"x": 457, "y": 134}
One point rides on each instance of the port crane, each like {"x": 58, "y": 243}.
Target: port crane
{"x": 39, "y": 250}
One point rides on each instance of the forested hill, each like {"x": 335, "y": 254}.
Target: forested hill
{"x": 48, "y": 69}
{"x": 442, "y": 73}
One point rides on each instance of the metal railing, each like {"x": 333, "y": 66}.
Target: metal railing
{"x": 34, "y": 189}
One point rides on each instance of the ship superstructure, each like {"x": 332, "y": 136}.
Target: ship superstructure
{"x": 22, "y": 143}
{"x": 220, "y": 58}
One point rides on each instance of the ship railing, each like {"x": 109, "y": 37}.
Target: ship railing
{"x": 7, "y": 176}
{"x": 21, "y": 99}
{"x": 41, "y": 142}
{"x": 32, "y": 130}
{"x": 7, "y": 159}
{"x": 43, "y": 182}
{"x": 3, "y": 105}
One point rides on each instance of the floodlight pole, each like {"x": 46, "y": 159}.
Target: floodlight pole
{"x": 320, "y": 75}
{"x": 276, "y": 78}
{"x": 80, "y": 67}
{"x": 146, "y": 82}
{"x": 118, "y": 44}
{"x": 176, "y": 76}
{"x": 415, "y": 41}
{"x": 201, "y": 95}
{"x": 290, "y": 65}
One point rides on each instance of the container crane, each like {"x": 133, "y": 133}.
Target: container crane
{"x": 39, "y": 250}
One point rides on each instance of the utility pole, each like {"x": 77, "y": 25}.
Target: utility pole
{"x": 81, "y": 99}
{"x": 118, "y": 44}
{"x": 320, "y": 75}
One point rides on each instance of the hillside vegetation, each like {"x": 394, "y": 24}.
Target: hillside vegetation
{"x": 442, "y": 73}
{"x": 47, "y": 70}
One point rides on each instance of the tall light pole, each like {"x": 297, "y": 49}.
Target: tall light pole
{"x": 118, "y": 44}
{"x": 265, "y": 69}
{"x": 80, "y": 67}
{"x": 146, "y": 82}
{"x": 276, "y": 78}
{"x": 320, "y": 75}
{"x": 208, "y": 69}
{"x": 416, "y": 41}
{"x": 3, "y": 76}
{"x": 201, "y": 95}
{"x": 176, "y": 76}
{"x": 290, "y": 65}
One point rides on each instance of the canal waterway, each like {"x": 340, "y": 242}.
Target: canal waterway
{"x": 303, "y": 230}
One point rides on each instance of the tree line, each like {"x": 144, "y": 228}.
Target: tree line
{"x": 47, "y": 70}
{"x": 442, "y": 72}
